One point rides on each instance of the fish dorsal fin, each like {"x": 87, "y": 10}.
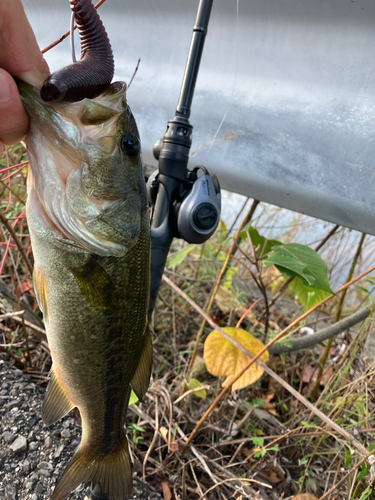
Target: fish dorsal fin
{"x": 56, "y": 404}
{"x": 141, "y": 378}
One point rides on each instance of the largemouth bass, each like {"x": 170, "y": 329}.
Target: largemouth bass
{"x": 89, "y": 226}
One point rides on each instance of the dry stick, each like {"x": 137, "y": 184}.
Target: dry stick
{"x": 254, "y": 481}
{"x": 41, "y": 333}
{"x": 233, "y": 246}
{"x": 11, "y": 315}
{"x": 62, "y": 37}
{"x": 311, "y": 407}
{"x": 368, "y": 455}
{"x": 323, "y": 361}
{"x": 12, "y": 232}
{"x": 135, "y": 72}
{"x": 321, "y": 335}
{"x": 25, "y": 334}
{"x": 156, "y": 434}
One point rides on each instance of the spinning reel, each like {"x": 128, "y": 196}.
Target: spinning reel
{"x": 186, "y": 203}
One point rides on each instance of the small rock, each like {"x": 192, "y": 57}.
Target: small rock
{"x": 10, "y": 492}
{"x": 66, "y": 424}
{"x": 20, "y": 444}
{"x": 29, "y": 485}
{"x": 45, "y": 473}
{"x": 39, "y": 488}
{"x": 12, "y": 404}
{"x": 8, "y": 437}
{"x": 65, "y": 433}
{"x": 58, "y": 451}
{"x": 32, "y": 421}
{"x": 34, "y": 497}
{"x": 45, "y": 465}
{"x": 48, "y": 441}
{"x": 26, "y": 465}
{"x": 34, "y": 445}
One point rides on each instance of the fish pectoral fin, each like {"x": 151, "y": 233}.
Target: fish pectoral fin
{"x": 141, "y": 378}
{"x": 96, "y": 287}
{"x": 113, "y": 472}
{"x": 56, "y": 404}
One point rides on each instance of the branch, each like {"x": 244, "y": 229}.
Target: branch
{"x": 321, "y": 335}
{"x": 12, "y": 232}
{"x": 12, "y": 299}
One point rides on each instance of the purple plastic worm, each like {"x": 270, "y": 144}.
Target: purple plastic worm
{"x": 93, "y": 73}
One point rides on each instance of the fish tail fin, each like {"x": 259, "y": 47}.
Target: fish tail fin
{"x": 113, "y": 472}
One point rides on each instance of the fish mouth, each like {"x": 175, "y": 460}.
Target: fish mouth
{"x": 63, "y": 139}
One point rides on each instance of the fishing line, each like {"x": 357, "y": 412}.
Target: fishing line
{"x": 72, "y": 49}
{"x": 236, "y": 38}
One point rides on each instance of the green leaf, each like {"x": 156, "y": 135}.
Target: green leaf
{"x": 348, "y": 458}
{"x": 265, "y": 246}
{"x": 194, "y": 384}
{"x": 179, "y": 256}
{"x": 308, "y": 295}
{"x": 293, "y": 259}
{"x": 133, "y": 398}
{"x": 258, "y": 441}
{"x": 365, "y": 470}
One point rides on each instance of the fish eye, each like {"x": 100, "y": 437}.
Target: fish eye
{"x": 130, "y": 144}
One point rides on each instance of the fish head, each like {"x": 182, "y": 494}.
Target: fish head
{"x": 86, "y": 167}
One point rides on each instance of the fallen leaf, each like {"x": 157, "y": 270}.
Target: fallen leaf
{"x": 172, "y": 444}
{"x": 26, "y": 286}
{"x": 224, "y": 359}
{"x": 167, "y": 494}
{"x": 309, "y": 375}
{"x": 194, "y": 384}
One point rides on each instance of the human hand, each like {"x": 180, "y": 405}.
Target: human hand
{"x": 20, "y": 57}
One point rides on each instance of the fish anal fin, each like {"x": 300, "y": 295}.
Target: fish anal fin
{"x": 56, "y": 403}
{"x": 141, "y": 378}
{"x": 113, "y": 472}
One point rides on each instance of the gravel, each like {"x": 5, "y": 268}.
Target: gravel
{"x": 32, "y": 456}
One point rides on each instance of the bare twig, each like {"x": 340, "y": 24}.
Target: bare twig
{"x": 62, "y": 37}
{"x": 154, "y": 439}
{"x": 135, "y": 72}
{"x": 324, "y": 358}
{"x": 12, "y": 232}
{"x": 321, "y": 335}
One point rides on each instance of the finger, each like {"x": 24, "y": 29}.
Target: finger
{"x": 14, "y": 122}
{"x": 20, "y": 55}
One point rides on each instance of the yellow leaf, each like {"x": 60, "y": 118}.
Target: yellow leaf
{"x": 224, "y": 359}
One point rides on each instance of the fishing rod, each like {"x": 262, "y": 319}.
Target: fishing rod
{"x": 185, "y": 203}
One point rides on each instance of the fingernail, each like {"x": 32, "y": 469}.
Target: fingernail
{"x": 5, "y": 89}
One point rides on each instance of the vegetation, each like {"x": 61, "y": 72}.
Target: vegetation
{"x": 216, "y": 423}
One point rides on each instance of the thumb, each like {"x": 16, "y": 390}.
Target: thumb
{"x": 14, "y": 122}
